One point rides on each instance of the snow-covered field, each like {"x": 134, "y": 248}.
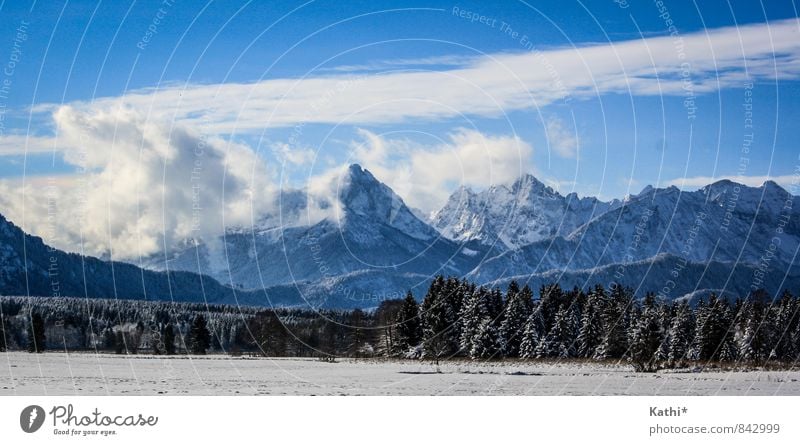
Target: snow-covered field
{"x": 98, "y": 374}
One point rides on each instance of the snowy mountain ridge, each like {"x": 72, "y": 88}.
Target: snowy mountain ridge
{"x": 515, "y": 215}
{"x": 356, "y": 243}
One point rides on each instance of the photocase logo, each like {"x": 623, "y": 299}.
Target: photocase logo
{"x": 31, "y": 418}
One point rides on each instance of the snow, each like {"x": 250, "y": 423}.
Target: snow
{"x": 469, "y": 252}
{"x": 517, "y": 214}
{"x": 104, "y": 374}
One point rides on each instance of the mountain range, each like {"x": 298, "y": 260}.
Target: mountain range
{"x": 370, "y": 246}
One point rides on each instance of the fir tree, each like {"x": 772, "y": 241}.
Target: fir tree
{"x": 614, "y": 343}
{"x": 728, "y": 350}
{"x": 646, "y": 337}
{"x": 591, "y": 329}
{"x": 472, "y": 316}
{"x": 783, "y": 321}
{"x": 36, "y": 337}
{"x": 559, "y": 342}
{"x": 711, "y": 332}
{"x": 199, "y": 336}
{"x": 119, "y": 343}
{"x": 109, "y": 339}
{"x": 486, "y": 343}
{"x": 518, "y": 310}
{"x": 551, "y": 299}
{"x": 409, "y": 329}
{"x": 168, "y": 335}
{"x": 681, "y": 333}
{"x": 438, "y": 318}
{"x": 494, "y": 306}
{"x": 665, "y": 314}
{"x": 357, "y": 338}
{"x": 480, "y": 321}
{"x": 531, "y": 336}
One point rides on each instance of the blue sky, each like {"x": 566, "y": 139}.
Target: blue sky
{"x": 428, "y": 95}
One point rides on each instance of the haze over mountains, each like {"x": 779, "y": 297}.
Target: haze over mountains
{"x": 371, "y": 246}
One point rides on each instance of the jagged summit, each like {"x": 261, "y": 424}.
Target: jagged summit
{"x": 514, "y": 215}
{"x": 362, "y": 195}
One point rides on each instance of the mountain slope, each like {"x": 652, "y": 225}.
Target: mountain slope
{"x": 372, "y": 231}
{"x": 30, "y": 267}
{"x": 513, "y": 216}
{"x": 724, "y": 222}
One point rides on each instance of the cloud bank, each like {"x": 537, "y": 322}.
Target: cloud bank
{"x": 487, "y": 86}
{"x": 143, "y": 185}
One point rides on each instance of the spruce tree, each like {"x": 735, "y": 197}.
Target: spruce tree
{"x": 591, "y": 329}
{"x": 614, "y": 343}
{"x": 357, "y": 337}
{"x": 487, "y": 341}
{"x": 199, "y": 336}
{"x": 518, "y": 309}
{"x": 665, "y": 314}
{"x": 438, "y": 319}
{"x": 480, "y": 321}
{"x": 472, "y": 315}
{"x": 560, "y": 341}
{"x": 712, "y": 329}
{"x": 728, "y": 352}
{"x": 36, "y": 336}
{"x": 168, "y": 336}
{"x": 109, "y": 339}
{"x": 782, "y": 324}
{"x": 531, "y": 336}
{"x": 409, "y": 329}
{"x": 551, "y": 299}
{"x": 681, "y": 333}
{"x": 119, "y": 343}
{"x": 646, "y": 337}
{"x": 495, "y": 305}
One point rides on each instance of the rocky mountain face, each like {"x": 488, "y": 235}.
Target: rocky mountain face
{"x": 371, "y": 247}
{"x": 510, "y": 217}
{"x": 361, "y": 244}
{"x": 724, "y": 222}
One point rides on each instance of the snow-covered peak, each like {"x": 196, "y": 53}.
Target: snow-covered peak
{"x": 513, "y": 215}
{"x": 362, "y": 195}
{"x": 528, "y": 183}
{"x": 646, "y": 190}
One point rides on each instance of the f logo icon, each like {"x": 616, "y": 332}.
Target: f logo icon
{"x": 31, "y": 418}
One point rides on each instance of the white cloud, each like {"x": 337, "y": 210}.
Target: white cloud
{"x": 487, "y": 85}
{"x": 563, "y": 141}
{"x": 144, "y": 185}
{"x": 395, "y": 64}
{"x": 18, "y": 144}
{"x": 292, "y": 155}
{"x": 789, "y": 182}
{"x": 426, "y": 175}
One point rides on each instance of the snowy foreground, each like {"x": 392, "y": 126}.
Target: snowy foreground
{"x": 99, "y": 374}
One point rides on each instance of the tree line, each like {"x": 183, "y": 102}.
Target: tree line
{"x": 458, "y": 318}
{"x": 455, "y": 319}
